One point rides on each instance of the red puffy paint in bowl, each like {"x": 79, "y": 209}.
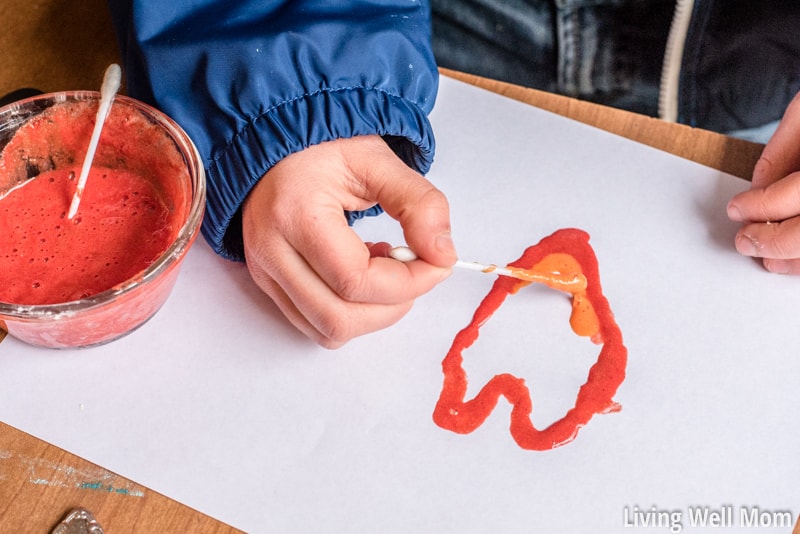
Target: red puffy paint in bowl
{"x": 91, "y": 279}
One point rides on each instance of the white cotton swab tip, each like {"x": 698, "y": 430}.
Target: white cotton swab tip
{"x": 569, "y": 282}
{"x": 111, "y": 82}
{"x": 403, "y": 254}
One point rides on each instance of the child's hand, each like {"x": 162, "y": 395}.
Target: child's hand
{"x": 324, "y": 278}
{"x": 770, "y": 210}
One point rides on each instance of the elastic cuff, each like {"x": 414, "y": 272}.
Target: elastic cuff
{"x": 298, "y": 124}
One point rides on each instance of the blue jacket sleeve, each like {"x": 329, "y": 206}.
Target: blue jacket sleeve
{"x": 252, "y": 81}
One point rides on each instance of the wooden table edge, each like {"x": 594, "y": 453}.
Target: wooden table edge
{"x": 730, "y": 155}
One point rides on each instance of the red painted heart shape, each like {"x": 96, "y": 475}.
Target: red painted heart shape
{"x": 566, "y": 250}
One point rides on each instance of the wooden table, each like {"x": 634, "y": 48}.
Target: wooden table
{"x": 61, "y": 44}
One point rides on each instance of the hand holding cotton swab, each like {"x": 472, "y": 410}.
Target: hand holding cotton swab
{"x": 111, "y": 83}
{"x": 568, "y": 282}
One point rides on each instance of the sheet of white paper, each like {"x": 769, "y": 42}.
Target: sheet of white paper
{"x": 218, "y": 403}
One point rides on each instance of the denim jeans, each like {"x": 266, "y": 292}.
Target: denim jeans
{"x": 605, "y": 51}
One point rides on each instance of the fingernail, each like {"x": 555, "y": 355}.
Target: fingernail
{"x": 748, "y": 245}
{"x": 777, "y": 266}
{"x": 444, "y": 244}
{"x": 734, "y": 213}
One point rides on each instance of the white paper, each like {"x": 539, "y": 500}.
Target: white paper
{"x": 217, "y": 402}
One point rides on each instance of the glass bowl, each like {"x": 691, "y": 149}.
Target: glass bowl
{"x": 146, "y": 142}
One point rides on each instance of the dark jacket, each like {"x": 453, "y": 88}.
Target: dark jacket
{"x": 252, "y": 81}
{"x": 735, "y": 64}
{"x": 740, "y": 64}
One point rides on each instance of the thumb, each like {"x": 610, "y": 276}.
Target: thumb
{"x": 421, "y": 209}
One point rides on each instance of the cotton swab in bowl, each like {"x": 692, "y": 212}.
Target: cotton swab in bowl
{"x": 111, "y": 82}
{"x": 568, "y": 282}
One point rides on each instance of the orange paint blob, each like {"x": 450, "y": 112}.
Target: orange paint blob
{"x": 583, "y": 320}
{"x": 569, "y": 282}
{"x": 565, "y": 251}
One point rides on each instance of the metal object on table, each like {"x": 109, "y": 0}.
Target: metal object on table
{"x": 78, "y": 521}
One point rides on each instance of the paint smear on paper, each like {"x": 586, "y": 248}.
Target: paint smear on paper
{"x": 566, "y": 250}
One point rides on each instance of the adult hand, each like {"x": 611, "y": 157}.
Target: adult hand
{"x": 300, "y": 251}
{"x": 770, "y": 210}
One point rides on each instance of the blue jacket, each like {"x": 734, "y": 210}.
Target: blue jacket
{"x": 252, "y": 81}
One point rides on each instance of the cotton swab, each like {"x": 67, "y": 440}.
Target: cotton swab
{"x": 111, "y": 82}
{"x": 569, "y": 282}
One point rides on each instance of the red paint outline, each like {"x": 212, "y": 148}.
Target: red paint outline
{"x": 595, "y": 396}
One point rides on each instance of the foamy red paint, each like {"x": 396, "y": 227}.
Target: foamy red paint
{"x": 122, "y": 227}
{"x": 89, "y": 279}
{"x": 567, "y": 250}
